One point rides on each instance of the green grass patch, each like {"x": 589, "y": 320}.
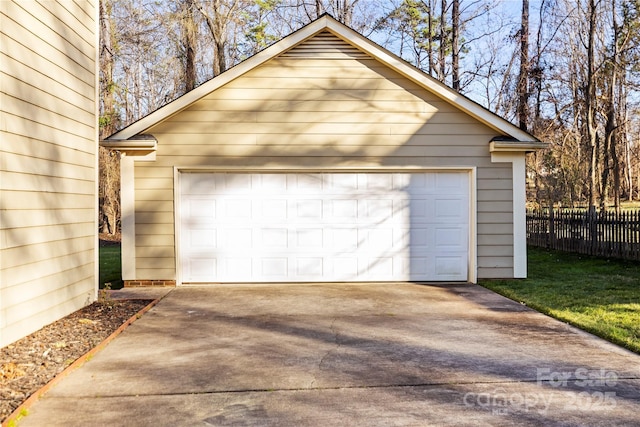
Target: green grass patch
{"x": 601, "y": 296}
{"x": 110, "y": 267}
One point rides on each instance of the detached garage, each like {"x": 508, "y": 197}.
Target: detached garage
{"x": 323, "y": 158}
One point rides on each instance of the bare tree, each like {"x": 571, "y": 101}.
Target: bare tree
{"x": 343, "y": 10}
{"x": 523, "y": 78}
{"x": 108, "y": 162}
{"x": 455, "y": 41}
{"x": 108, "y": 116}
{"x": 590, "y": 100}
{"x": 189, "y": 43}
{"x": 220, "y": 16}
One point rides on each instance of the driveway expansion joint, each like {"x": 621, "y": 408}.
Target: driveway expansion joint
{"x": 297, "y": 389}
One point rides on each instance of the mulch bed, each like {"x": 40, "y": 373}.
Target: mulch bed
{"x": 30, "y": 363}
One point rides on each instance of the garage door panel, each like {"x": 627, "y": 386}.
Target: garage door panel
{"x": 238, "y": 183}
{"x": 273, "y": 209}
{"x": 234, "y": 265}
{"x": 374, "y": 182}
{"x": 419, "y": 184}
{"x": 421, "y": 210}
{"x": 416, "y": 266}
{"x": 451, "y": 181}
{"x": 309, "y": 267}
{"x": 309, "y": 239}
{"x": 237, "y": 238}
{"x": 420, "y": 238}
{"x": 343, "y": 240}
{"x": 450, "y": 239}
{"x": 342, "y": 209}
{"x": 342, "y": 182}
{"x": 449, "y": 210}
{"x": 382, "y": 268}
{"x": 449, "y": 267}
{"x": 376, "y": 209}
{"x": 307, "y": 183}
{"x": 202, "y": 208}
{"x": 311, "y": 209}
{"x": 379, "y": 238}
{"x": 201, "y": 268}
{"x": 202, "y": 238}
{"x": 344, "y": 268}
{"x": 272, "y": 183}
{"x": 274, "y": 238}
{"x": 323, "y": 227}
{"x": 200, "y": 184}
{"x": 274, "y": 268}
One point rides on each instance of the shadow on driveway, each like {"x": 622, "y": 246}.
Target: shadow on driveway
{"x": 347, "y": 354}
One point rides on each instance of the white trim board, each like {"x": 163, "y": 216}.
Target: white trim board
{"x": 517, "y": 161}
{"x": 128, "y": 217}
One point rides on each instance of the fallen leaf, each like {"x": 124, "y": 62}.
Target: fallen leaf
{"x": 9, "y": 371}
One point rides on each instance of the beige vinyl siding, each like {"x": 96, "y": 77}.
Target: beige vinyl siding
{"x": 345, "y": 109}
{"x": 48, "y": 163}
{"x": 155, "y": 223}
{"x": 495, "y": 216}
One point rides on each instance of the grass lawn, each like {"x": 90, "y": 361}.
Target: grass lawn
{"x": 110, "y": 267}
{"x": 598, "y": 295}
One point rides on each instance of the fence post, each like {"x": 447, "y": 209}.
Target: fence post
{"x": 552, "y": 229}
{"x": 593, "y": 230}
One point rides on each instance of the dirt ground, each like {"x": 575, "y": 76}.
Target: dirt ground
{"x": 30, "y": 363}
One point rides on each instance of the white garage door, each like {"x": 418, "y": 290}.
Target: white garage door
{"x": 323, "y": 227}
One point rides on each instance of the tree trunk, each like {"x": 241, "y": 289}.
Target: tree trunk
{"x": 590, "y": 103}
{"x": 189, "y": 44}
{"x": 108, "y": 122}
{"x": 455, "y": 31}
{"x": 218, "y": 20}
{"x": 442, "y": 51}
{"x": 108, "y": 163}
{"x": 344, "y": 10}
{"x": 430, "y": 39}
{"x": 523, "y": 78}
{"x": 627, "y": 156}
{"x": 611, "y": 124}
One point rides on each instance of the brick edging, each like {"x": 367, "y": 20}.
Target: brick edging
{"x": 149, "y": 283}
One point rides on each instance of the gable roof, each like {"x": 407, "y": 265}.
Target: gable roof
{"x": 132, "y": 138}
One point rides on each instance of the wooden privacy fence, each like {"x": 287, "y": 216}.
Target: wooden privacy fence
{"x": 608, "y": 234}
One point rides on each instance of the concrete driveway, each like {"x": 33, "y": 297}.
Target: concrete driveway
{"x": 353, "y": 355}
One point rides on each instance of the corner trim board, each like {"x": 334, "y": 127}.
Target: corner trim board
{"x": 128, "y": 218}
{"x": 517, "y": 159}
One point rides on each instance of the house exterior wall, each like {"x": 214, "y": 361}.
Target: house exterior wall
{"x": 48, "y": 162}
{"x": 321, "y": 105}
